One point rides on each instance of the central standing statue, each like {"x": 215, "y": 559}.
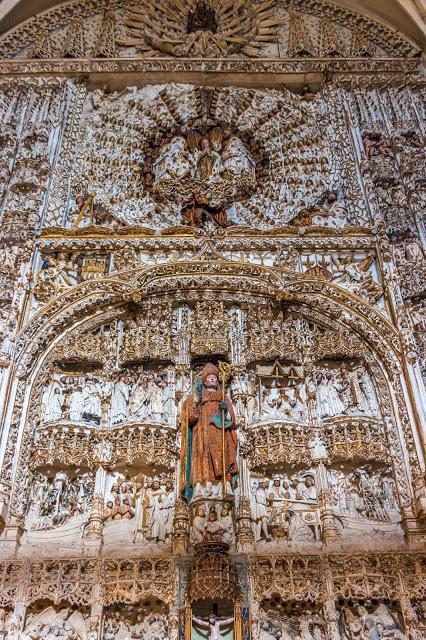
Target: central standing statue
{"x": 205, "y": 414}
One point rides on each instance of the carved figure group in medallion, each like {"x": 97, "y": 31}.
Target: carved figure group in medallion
{"x": 204, "y": 170}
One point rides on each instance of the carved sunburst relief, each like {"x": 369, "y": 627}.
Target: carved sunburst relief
{"x": 213, "y": 28}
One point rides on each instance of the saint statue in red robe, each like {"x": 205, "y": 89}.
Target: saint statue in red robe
{"x": 202, "y": 416}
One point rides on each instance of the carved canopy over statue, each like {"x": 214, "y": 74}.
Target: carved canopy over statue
{"x": 207, "y": 415}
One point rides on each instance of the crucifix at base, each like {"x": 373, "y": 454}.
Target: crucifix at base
{"x": 213, "y": 626}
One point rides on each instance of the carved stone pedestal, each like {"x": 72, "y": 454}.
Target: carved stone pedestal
{"x": 93, "y": 531}
{"x": 91, "y": 548}
{"x": 11, "y": 535}
{"x": 414, "y": 528}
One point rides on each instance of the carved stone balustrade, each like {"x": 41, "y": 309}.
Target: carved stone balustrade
{"x": 73, "y": 444}
{"x": 346, "y": 438}
{"x": 355, "y": 576}
{"x": 274, "y": 442}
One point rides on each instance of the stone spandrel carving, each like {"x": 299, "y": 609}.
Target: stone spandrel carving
{"x": 61, "y": 271}
{"x": 356, "y": 272}
{"x": 58, "y": 500}
{"x": 285, "y": 509}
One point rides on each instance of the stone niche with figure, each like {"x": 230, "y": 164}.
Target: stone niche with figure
{"x": 103, "y": 463}
{"x": 209, "y": 467}
{"x": 45, "y": 619}
{"x": 290, "y": 620}
{"x": 285, "y": 509}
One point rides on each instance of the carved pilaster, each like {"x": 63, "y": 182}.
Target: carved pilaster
{"x": 94, "y": 525}
{"x": 330, "y": 532}
{"x": 95, "y": 622}
{"x": 331, "y": 617}
{"x": 180, "y": 527}
{"x": 245, "y": 535}
{"x": 419, "y": 487}
{"x": 12, "y": 533}
{"x": 414, "y": 529}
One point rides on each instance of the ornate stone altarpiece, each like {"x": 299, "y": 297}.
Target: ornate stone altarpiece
{"x": 233, "y": 189}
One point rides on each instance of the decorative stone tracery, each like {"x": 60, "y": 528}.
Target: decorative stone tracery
{"x": 231, "y": 263}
